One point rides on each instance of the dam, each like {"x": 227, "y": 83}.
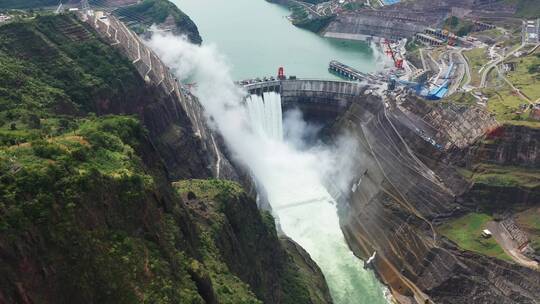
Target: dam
{"x": 319, "y": 100}
{"x": 385, "y": 174}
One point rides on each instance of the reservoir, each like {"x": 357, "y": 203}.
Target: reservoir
{"x": 257, "y": 38}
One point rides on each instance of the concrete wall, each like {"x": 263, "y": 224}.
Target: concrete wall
{"x": 361, "y": 27}
{"x": 320, "y": 101}
{"x": 311, "y": 90}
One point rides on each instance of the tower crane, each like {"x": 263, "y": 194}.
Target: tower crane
{"x": 398, "y": 62}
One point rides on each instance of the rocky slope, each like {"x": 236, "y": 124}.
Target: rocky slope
{"x": 407, "y": 186}
{"x": 162, "y": 13}
{"x": 88, "y": 212}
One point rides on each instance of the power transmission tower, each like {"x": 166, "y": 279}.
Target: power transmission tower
{"x": 59, "y": 8}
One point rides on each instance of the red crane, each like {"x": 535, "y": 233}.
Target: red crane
{"x": 451, "y": 39}
{"x": 398, "y": 62}
{"x": 281, "y": 73}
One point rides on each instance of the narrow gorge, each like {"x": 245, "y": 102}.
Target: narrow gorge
{"x": 138, "y": 167}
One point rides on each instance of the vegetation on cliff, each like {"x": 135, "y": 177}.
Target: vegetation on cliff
{"x": 302, "y": 19}
{"x": 48, "y": 77}
{"x": 82, "y": 210}
{"x": 505, "y": 103}
{"x": 466, "y": 231}
{"x": 526, "y": 8}
{"x": 458, "y": 26}
{"x": 504, "y": 185}
{"x": 150, "y": 12}
{"x": 224, "y": 212}
{"x": 87, "y": 210}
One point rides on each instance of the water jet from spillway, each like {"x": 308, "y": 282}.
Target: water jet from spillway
{"x": 265, "y": 115}
{"x": 307, "y": 212}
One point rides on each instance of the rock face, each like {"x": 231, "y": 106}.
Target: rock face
{"x": 277, "y": 270}
{"x": 89, "y": 147}
{"x": 365, "y": 26}
{"x": 405, "y": 19}
{"x": 407, "y": 185}
{"x": 509, "y": 145}
{"x": 162, "y": 13}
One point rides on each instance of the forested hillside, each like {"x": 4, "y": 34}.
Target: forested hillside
{"x": 88, "y": 213}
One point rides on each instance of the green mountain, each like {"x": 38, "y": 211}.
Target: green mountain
{"x": 88, "y": 209}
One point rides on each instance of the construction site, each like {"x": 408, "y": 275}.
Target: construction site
{"x": 429, "y": 41}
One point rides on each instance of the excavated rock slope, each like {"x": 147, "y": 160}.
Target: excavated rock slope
{"x": 406, "y": 186}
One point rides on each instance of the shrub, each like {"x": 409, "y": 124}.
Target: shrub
{"x": 44, "y": 149}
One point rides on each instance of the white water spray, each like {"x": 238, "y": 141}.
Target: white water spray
{"x": 265, "y": 115}
{"x": 292, "y": 178}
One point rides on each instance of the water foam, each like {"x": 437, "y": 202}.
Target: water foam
{"x": 306, "y": 211}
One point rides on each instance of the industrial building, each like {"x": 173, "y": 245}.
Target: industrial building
{"x": 532, "y": 31}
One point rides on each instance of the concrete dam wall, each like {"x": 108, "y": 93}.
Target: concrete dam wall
{"x": 320, "y": 101}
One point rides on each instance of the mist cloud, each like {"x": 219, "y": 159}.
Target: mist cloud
{"x": 274, "y": 163}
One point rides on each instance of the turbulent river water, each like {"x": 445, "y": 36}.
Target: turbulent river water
{"x": 251, "y": 38}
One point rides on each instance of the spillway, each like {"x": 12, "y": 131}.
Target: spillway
{"x": 265, "y": 115}
{"x": 304, "y": 208}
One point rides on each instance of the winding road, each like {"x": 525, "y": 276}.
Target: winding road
{"x": 508, "y": 245}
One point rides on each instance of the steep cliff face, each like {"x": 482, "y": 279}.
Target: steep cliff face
{"x": 95, "y": 78}
{"x": 509, "y": 145}
{"x": 88, "y": 214}
{"x": 405, "y": 188}
{"x": 277, "y": 270}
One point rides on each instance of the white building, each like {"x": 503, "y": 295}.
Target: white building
{"x": 4, "y": 18}
{"x": 532, "y": 31}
